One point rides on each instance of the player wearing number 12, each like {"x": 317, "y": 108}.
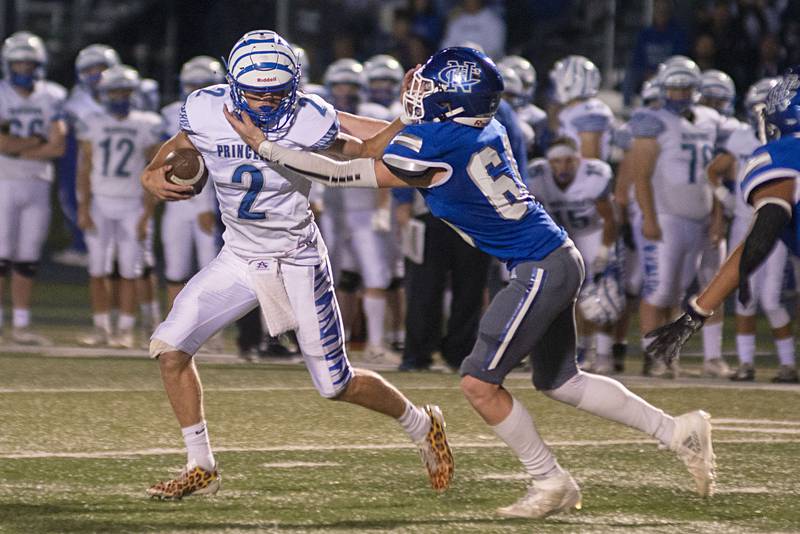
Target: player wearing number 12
{"x": 458, "y": 157}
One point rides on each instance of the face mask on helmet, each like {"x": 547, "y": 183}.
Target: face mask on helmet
{"x": 383, "y": 92}
{"x": 118, "y": 102}
{"x": 23, "y": 74}
{"x": 679, "y": 99}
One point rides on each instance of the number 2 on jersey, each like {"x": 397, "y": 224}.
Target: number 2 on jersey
{"x": 256, "y": 183}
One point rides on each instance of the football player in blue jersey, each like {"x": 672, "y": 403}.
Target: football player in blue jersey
{"x": 769, "y": 185}
{"x": 458, "y": 157}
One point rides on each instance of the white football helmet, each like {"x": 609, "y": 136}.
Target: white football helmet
{"x": 147, "y": 96}
{"x": 650, "y": 91}
{"x": 118, "y": 77}
{"x": 717, "y": 91}
{"x": 574, "y": 77}
{"x": 513, "y": 88}
{"x": 200, "y": 71}
{"x": 92, "y": 56}
{"x": 525, "y": 72}
{"x": 679, "y": 72}
{"x": 384, "y": 76}
{"x": 24, "y": 46}
{"x": 262, "y": 61}
{"x": 602, "y": 300}
{"x": 345, "y": 72}
{"x": 754, "y": 103}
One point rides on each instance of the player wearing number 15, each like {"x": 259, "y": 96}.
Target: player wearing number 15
{"x": 32, "y": 134}
{"x": 115, "y": 144}
{"x": 457, "y": 155}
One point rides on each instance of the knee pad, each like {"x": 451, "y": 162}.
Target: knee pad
{"x": 158, "y": 347}
{"x": 778, "y": 317}
{"x": 349, "y": 281}
{"x": 27, "y": 269}
{"x": 396, "y": 283}
{"x": 4, "y": 267}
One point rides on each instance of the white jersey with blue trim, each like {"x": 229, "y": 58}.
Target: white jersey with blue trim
{"x": 590, "y": 115}
{"x": 119, "y": 150}
{"x": 775, "y": 161}
{"x": 357, "y": 198}
{"x": 264, "y": 206}
{"x": 680, "y": 186}
{"x": 206, "y": 200}
{"x": 27, "y": 116}
{"x": 740, "y": 144}
{"x": 482, "y": 195}
{"x": 574, "y": 208}
{"x": 80, "y": 104}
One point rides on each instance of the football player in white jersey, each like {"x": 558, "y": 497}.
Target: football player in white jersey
{"x": 187, "y": 228}
{"x": 766, "y": 282}
{"x": 671, "y": 148}
{"x": 582, "y": 116}
{"x": 384, "y": 77}
{"x": 115, "y": 146}
{"x": 576, "y": 191}
{"x": 521, "y": 98}
{"x": 357, "y": 222}
{"x": 273, "y": 254}
{"x": 32, "y": 134}
{"x": 90, "y": 62}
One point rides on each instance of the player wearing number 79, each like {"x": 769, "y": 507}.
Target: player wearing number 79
{"x": 459, "y": 158}
{"x": 273, "y": 254}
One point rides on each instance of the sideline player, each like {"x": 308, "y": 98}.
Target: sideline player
{"x": 273, "y": 255}
{"x": 766, "y": 282}
{"x": 115, "y": 145}
{"x": 462, "y": 164}
{"x": 521, "y": 99}
{"x": 187, "y": 227}
{"x": 32, "y": 134}
{"x": 768, "y": 184}
{"x": 576, "y": 192}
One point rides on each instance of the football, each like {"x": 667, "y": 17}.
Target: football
{"x": 188, "y": 168}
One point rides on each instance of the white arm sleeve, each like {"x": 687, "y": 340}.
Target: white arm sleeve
{"x": 322, "y": 169}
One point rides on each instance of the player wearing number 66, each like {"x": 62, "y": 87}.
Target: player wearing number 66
{"x": 458, "y": 156}
{"x": 273, "y": 254}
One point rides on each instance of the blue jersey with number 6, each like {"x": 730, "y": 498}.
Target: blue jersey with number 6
{"x": 482, "y": 195}
{"x": 264, "y": 206}
{"x": 776, "y": 161}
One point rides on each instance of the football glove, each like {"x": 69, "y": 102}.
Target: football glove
{"x": 667, "y": 340}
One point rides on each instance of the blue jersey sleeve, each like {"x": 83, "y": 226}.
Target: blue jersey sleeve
{"x": 769, "y": 163}
{"x": 646, "y": 124}
{"x": 413, "y": 153}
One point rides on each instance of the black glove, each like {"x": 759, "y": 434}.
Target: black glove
{"x": 668, "y": 339}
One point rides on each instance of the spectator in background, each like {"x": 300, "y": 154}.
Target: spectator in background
{"x": 407, "y": 47}
{"x": 655, "y": 43}
{"x": 426, "y": 23}
{"x": 704, "y": 52}
{"x": 770, "y": 59}
{"x": 479, "y": 24}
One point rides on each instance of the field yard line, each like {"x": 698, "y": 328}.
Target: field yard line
{"x": 372, "y": 447}
{"x": 727, "y": 421}
{"x": 758, "y": 430}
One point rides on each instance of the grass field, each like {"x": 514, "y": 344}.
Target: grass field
{"x": 81, "y": 439}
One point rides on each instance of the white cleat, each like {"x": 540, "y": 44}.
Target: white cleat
{"x": 716, "y": 368}
{"x": 559, "y": 493}
{"x": 692, "y": 442}
{"x": 381, "y": 355}
{"x": 125, "y": 339}
{"x": 96, "y": 338}
{"x": 24, "y": 336}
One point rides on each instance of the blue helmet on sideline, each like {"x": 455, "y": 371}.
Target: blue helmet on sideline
{"x": 782, "y": 106}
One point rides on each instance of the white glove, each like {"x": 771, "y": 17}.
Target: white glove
{"x": 382, "y": 220}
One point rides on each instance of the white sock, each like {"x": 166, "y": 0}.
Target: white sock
{"x": 375, "y": 312}
{"x": 746, "y": 347}
{"x": 155, "y": 311}
{"x": 603, "y": 342}
{"x": 520, "y": 434}
{"x": 126, "y": 322}
{"x": 102, "y": 320}
{"x": 415, "y": 422}
{"x": 198, "y": 448}
{"x": 785, "y": 348}
{"x": 607, "y": 398}
{"x": 712, "y": 341}
{"x": 21, "y": 318}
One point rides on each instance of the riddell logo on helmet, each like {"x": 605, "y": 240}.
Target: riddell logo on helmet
{"x": 274, "y": 78}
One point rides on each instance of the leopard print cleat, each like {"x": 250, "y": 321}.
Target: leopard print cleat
{"x": 435, "y": 451}
{"x": 192, "y": 480}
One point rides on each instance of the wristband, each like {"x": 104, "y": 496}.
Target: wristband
{"x": 697, "y": 310}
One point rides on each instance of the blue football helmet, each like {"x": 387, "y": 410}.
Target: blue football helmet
{"x": 459, "y": 84}
{"x": 262, "y": 61}
{"x": 782, "y": 106}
